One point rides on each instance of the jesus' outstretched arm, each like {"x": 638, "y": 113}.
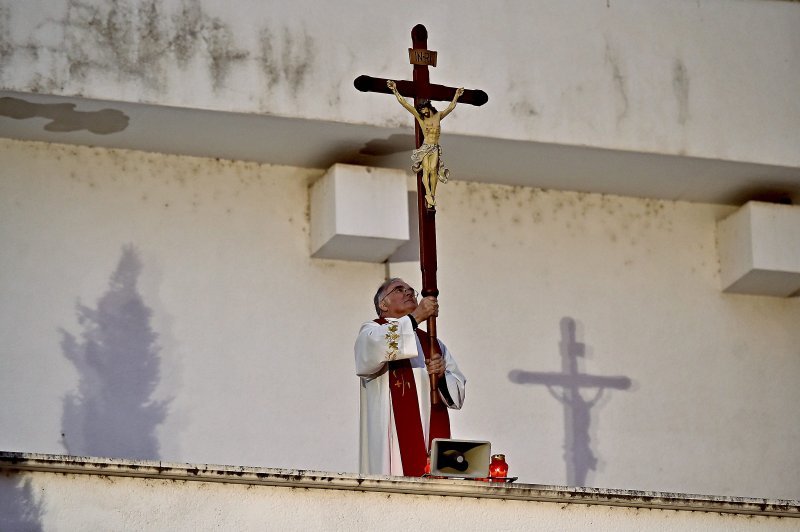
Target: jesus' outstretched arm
{"x": 452, "y": 105}
{"x": 392, "y": 85}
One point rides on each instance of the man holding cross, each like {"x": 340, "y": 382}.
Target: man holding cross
{"x": 408, "y": 378}
{"x": 393, "y": 360}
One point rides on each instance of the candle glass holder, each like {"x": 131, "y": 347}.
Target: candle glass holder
{"x": 498, "y": 468}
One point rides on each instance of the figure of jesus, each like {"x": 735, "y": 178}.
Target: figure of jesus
{"x": 428, "y": 157}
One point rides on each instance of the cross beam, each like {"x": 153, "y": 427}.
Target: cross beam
{"x": 440, "y": 93}
{"x": 421, "y": 89}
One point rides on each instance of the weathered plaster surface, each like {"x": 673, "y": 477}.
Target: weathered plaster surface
{"x": 713, "y": 79}
{"x": 154, "y": 45}
{"x": 254, "y": 333}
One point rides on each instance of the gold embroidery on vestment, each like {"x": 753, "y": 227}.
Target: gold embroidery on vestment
{"x": 391, "y": 338}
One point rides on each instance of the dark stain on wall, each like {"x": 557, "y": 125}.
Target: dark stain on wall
{"x": 680, "y": 86}
{"x": 6, "y": 48}
{"x": 117, "y": 358}
{"x": 153, "y": 38}
{"x": 269, "y": 66}
{"x": 221, "y": 50}
{"x": 115, "y": 37}
{"x": 520, "y": 101}
{"x": 19, "y": 509}
{"x": 64, "y": 118}
{"x": 619, "y": 82}
{"x": 287, "y": 57}
{"x": 142, "y": 41}
{"x": 187, "y": 22}
{"x": 524, "y": 109}
{"x": 298, "y": 57}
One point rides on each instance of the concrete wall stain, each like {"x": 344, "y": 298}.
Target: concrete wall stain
{"x": 269, "y": 66}
{"x": 116, "y": 37}
{"x": 520, "y": 101}
{"x": 188, "y": 23}
{"x": 221, "y": 50}
{"x": 288, "y": 57}
{"x": 524, "y": 109}
{"x": 5, "y": 43}
{"x": 621, "y": 220}
{"x": 39, "y": 84}
{"x": 619, "y": 82}
{"x": 298, "y": 57}
{"x": 140, "y": 41}
{"x": 680, "y": 86}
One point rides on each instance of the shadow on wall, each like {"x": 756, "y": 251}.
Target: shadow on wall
{"x": 566, "y": 388}
{"x": 117, "y": 359}
{"x": 19, "y": 509}
{"x": 64, "y": 118}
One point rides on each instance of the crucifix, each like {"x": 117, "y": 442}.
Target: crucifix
{"x": 427, "y": 160}
{"x": 578, "y": 453}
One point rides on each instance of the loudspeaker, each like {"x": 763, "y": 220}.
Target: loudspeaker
{"x": 460, "y": 458}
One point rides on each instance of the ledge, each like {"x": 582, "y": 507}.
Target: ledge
{"x": 298, "y": 478}
{"x": 516, "y": 162}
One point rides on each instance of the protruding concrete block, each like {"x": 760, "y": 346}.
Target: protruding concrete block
{"x": 359, "y": 213}
{"x": 759, "y": 250}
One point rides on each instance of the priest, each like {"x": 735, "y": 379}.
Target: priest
{"x": 393, "y": 360}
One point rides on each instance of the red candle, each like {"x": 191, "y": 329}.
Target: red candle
{"x": 498, "y": 469}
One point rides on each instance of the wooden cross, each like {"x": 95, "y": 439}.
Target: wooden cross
{"x": 422, "y": 89}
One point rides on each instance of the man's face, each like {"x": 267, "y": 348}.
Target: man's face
{"x": 426, "y": 112}
{"x": 398, "y": 300}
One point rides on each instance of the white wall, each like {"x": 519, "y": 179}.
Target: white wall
{"x": 66, "y": 501}
{"x": 711, "y": 78}
{"x": 256, "y": 338}
{"x": 712, "y": 374}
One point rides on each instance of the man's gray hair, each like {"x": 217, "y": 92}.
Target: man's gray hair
{"x": 379, "y": 295}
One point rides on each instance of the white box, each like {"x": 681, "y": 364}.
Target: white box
{"x": 359, "y": 213}
{"x": 759, "y": 250}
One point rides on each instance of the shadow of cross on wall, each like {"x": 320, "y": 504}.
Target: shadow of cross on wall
{"x": 566, "y": 388}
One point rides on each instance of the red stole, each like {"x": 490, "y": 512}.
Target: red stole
{"x": 405, "y": 405}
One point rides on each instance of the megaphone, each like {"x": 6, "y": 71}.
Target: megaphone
{"x": 460, "y": 458}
